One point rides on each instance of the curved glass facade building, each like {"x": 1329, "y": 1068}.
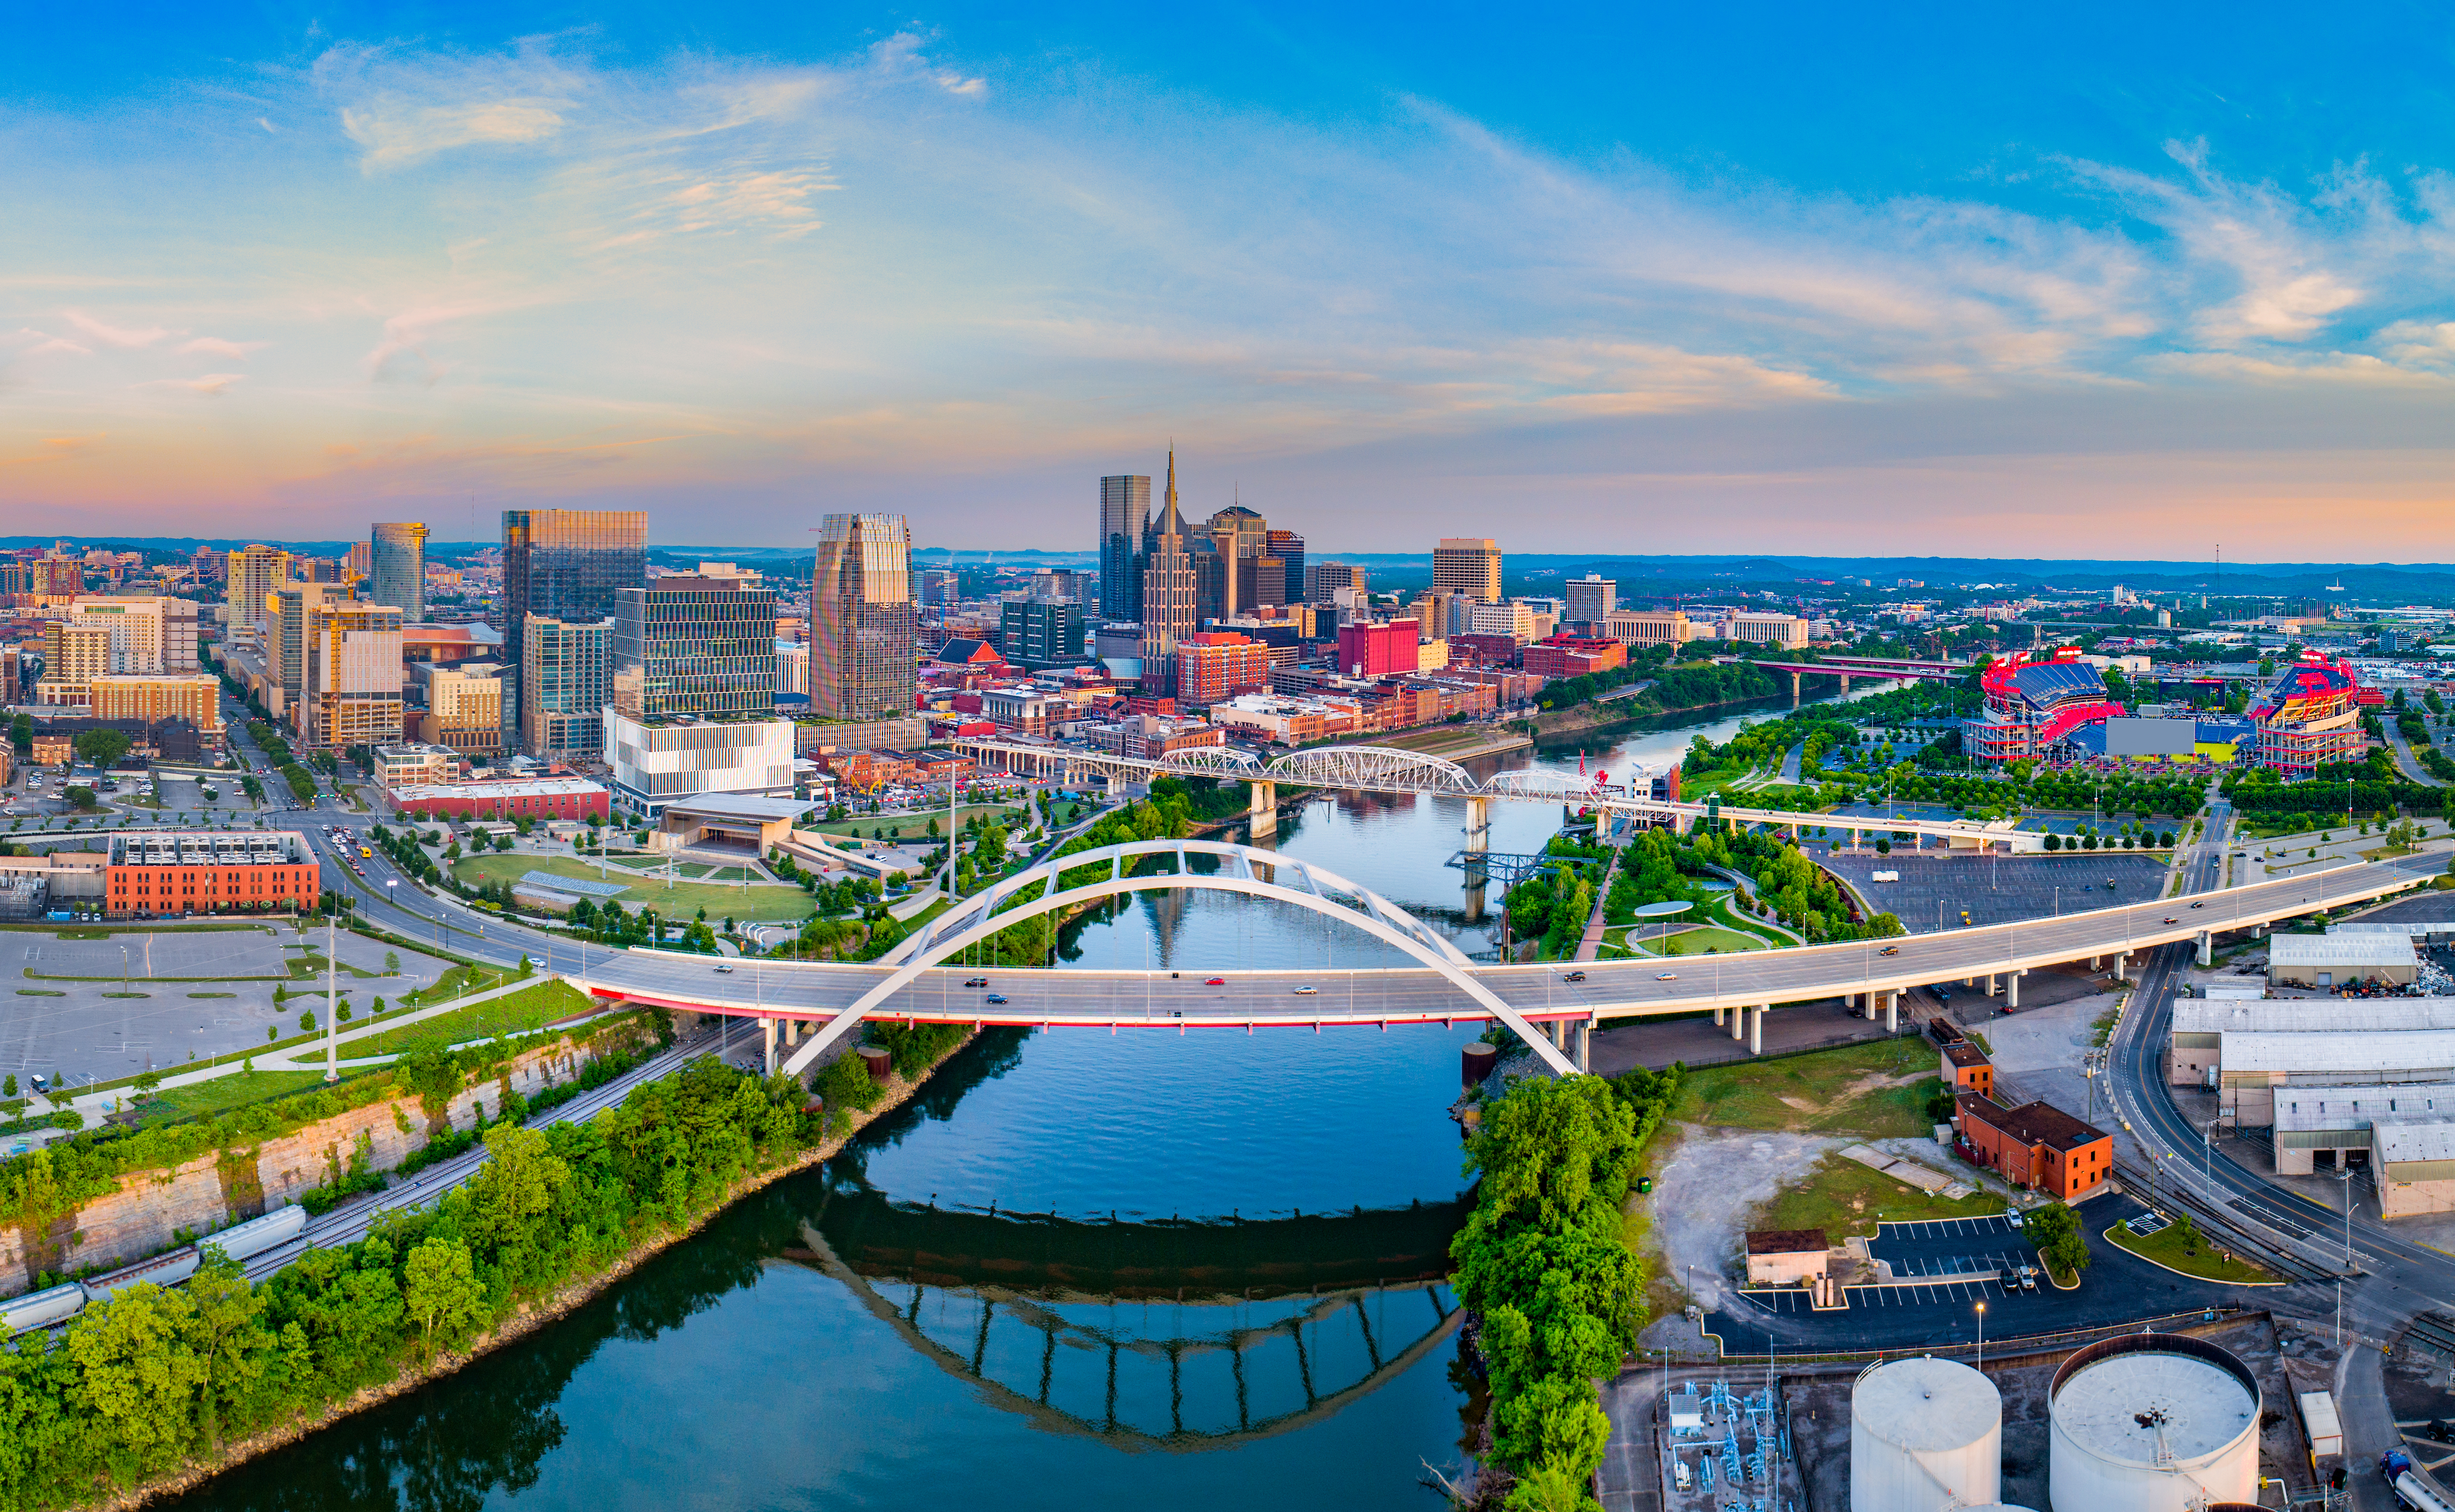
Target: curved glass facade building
{"x": 864, "y": 629}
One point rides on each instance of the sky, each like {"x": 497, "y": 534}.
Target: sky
{"x": 2062, "y": 282}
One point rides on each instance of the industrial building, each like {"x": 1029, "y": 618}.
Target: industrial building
{"x": 2340, "y": 1124}
{"x": 2038, "y": 1143}
{"x": 2328, "y": 960}
{"x": 2253, "y": 1066}
{"x": 2413, "y": 1166}
{"x": 1787, "y": 1257}
{"x": 209, "y": 872}
{"x": 498, "y": 799}
{"x": 2195, "y": 1033}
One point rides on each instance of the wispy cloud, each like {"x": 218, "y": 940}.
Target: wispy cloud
{"x": 402, "y": 108}
{"x": 129, "y": 337}
{"x": 216, "y": 345}
{"x": 212, "y": 385}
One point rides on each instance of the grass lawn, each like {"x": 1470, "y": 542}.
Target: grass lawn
{"x": 2165, "y": 1247}
{"x": 1707, "y": 940}
{"x": 1844, "y": 1197}
{"x": 511, "y": 1013}
{"x": 457, "y": 983}
{"x": 762, "y": 902}
{"x": 222, "y": 1093}
{"x": 1877, "y": 1089}
{"x": 917, "y": 825}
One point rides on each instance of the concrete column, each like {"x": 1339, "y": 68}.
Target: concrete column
{"x": 767, "y": 1033}
{"x": 1478, "y": 825}
{"x": 2122, "y": 968}
{"x": 2207, "y": 947}
{"x": 2096, "y": 963}
{"x": 1262, "y": 816}
{"x": 1892, "y": 1011}
{"x": 1845, "y": 685}
{"x": 1755, "y": 1030}
{"x": 1586, "y": 1046}
{"x": 1994, "y": 984}
{"x": 1739, "y": 1023}
{"x": 1717, "y": 1017}
{"x": 1793, "y": 688}
{"x": 2012, "y": 989}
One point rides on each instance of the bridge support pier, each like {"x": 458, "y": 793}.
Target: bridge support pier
{"x": 1586, "y": 1046}
{"x": 1845, "y": 685}
{"x": 1756, "y": 1029}
{"x": 1994, "y": 985}
{"x": 1717, "y": 1017}
{"x": 1739, "y": 1023}
{"x": 2012, "y": 989}
{"x": 2122, "y": 968}
{"x": 1892, "y": 1011}
{"x": 2207, "y": 947}
{"x": 767, "y": 1033}
{"x": 1261, "y": 814}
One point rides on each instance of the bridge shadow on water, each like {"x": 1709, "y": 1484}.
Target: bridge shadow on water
{"x": 1175, "y": 1335}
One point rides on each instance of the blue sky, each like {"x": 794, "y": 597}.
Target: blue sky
{"x": 1637, "y": 279}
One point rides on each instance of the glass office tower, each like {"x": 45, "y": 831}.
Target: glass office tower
{"x": 563, "y": 686}
{"x": 863, "y": 629}
{"x": 397, "y": 562}
{"x": 565, "y": 564}
{"x": 690, "y": 645}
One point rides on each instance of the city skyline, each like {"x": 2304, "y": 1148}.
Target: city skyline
{"x": 718, "y": 272}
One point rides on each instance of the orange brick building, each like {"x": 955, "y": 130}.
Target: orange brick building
{"x": 2037, "y": 1143}
{"x": 1966, "y": 1068}
{"x": 1215, "y": 667}
{"x": 154, "y": 875}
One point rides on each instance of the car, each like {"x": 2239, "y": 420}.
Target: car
{"x": 723, "y": 967}
{"x": 1307, "y": 991}
{"x": 995, "y": 998}
{"x": 1666, "y": 976}
{"x": 2440, "y": 1431}
{"x": 1575, "y": 975}
{"x": 1214, "y": 982}
{"x": 976, "y": 982}
{"x": 1890, "y": 950}
{"x": 2028, "y": 1277}
{"x": 2199, "y": 905}
{"x": 2171, "y": 918}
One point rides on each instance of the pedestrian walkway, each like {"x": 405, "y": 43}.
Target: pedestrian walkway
{"x": 1592, "y": 941}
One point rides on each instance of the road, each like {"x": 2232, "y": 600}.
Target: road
{"x": 2405, "y": 756}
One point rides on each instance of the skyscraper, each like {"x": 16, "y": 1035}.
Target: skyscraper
{"x": 1242, "y": 538}
{"x": 1590, "y": 599}
{"x": 254, "y": 572}
{"x": 398, "y": 573}
{"x": 863, "y": 628}
{"x": 1289, "y": 548}
{"x": 1467, "y": 565}
{"x": 285, "y": 642}
{"x": 698, "y": 645}
{"x": 1125, "y": 526}
{"x": 1168, "y": 608}
{"x": 564, "y": 687}
{"x": 565, "y": 564}
{"x": 351, "y": 694}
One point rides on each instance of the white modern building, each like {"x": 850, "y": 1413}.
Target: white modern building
{"x": 656, "y": 762}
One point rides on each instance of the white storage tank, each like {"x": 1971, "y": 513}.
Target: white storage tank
{"x": 2152, "y": 1423}
{"x": 245, "y": 1241}
{"x": 1925, "y": 1435}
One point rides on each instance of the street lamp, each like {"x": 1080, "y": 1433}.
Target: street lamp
{"x": 1981, "y": 1336}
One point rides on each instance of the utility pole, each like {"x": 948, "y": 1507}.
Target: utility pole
{"x": 332, "y": 1000}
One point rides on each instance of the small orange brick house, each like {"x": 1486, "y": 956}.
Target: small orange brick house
{"x": 2037, "y": 1143}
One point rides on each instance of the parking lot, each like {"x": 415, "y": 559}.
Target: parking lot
{"x": 95, "y": 1009}
{"x": 1935, "y": 891}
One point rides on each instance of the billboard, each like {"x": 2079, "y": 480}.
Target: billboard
{"x": 2151, "y": 738}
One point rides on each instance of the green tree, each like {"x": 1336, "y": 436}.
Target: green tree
{"x": 9, "y": 1085}
{"x": 21, "y": 734}
{"x": 101, "y": 747}
{"x": 146, "y": 1082}
{"x": 83, "y": 798}
{"x": 2055, "y": 1232}
{"x": 392, "y": 964}
{"x": 440, "y": 1291}
{"x": 307, "y": 1022}
{"x": 139, "y": 1373}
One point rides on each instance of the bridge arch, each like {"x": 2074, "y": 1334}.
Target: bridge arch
{"x": 977, "y": 919}
{"x": 1212, "y": 759}
{"x": 1368, "y": 766}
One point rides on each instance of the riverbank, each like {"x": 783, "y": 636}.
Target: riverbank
{"x": 532, "y": 1316}
{"x": 1613, "y": 717}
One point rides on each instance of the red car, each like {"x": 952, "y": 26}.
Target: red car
{"x": 1215, "y": 981}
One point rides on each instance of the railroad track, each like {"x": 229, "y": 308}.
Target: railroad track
{"x": 2231, "y": 1222}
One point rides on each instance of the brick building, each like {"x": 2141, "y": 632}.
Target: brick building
{"x": 1377, "y": 650}
{"x": 1574, "y": 655}
{"x": 1965, "y": 1068}
{"x": 530, "y": 797}
{"x": 1218, "y": 665}
{"x": 151, "y": 875}
{"x": 2037, "y": 1143}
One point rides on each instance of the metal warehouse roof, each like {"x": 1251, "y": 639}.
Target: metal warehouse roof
{"x": 533, "y": 788}
{"x": 2304, "y": 1016}
{"x": 2402, "y": 1143}
{"x": 2339, "y": 950}
{"x": 2364, "y": 1107}
{"x": 2383, "y": 1051}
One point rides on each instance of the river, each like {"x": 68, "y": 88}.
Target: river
{"x": 1195, "y": 1271}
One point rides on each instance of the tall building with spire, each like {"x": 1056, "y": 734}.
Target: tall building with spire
{"x": 1168, "y": 613}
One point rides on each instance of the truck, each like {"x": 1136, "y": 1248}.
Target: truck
{"x": 2412, "y": 1485}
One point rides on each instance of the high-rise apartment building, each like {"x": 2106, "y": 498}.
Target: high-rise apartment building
{"x": 1217, "y": 665}
{"x": 1169, "y": 610}
{"x": 74, "y": 654}
{"x": 360, "y": 564}
{"x": 564, "y": 687}
{"x": 566, "y": 565}
{"x": 256, "y": 574}
{"x": 1124, "y": 532}
{"x": 1378, "y": 650}
{"x": 703, "y": 646}
{"x": 1468, "y": 565}
{"x": 285, "y": 641}
{"x": 352, "y": 693}
{"x": 155, "y": 699}
{"x": 1322, "y": 580}
{"x": 865, "y": 632}
{"x": 149, "y": 633}
{"x": 398, "y": 573}
{"x": 1289, "y": 548}
{"x": 1590, "y": 599}
{"x": 464, "y": 710}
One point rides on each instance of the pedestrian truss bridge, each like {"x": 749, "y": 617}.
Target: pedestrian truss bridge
{"x": 1386, "y": 769}
{"x": 806, "y": 1007}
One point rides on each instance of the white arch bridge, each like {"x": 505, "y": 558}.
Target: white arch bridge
{"x": 1387, "y": 769}
{"x": 1539, "y": 1002}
